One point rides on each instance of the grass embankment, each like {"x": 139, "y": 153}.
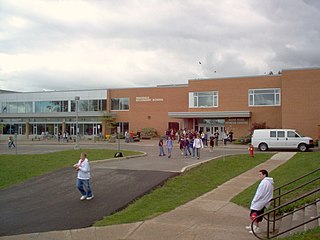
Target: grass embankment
{"x": 299, "y": 165}
{"x": 18, "y": 168}
{"x": 313, "y": 234}
{"x": 184, "y": 188}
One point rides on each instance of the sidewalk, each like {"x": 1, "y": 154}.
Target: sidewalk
{"x": 211, "y": 216}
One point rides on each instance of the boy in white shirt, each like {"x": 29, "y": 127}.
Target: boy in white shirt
{"x": 83, "y": 178}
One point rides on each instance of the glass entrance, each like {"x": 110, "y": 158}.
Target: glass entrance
{"x": 210, "y": 126}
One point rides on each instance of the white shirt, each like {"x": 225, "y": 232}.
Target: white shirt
{"x": 84, "y": 169}
{"x": 197, "y": 143}
{"x": 263, "y": 194}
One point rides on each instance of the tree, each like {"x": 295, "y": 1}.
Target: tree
{"x": 257, "y": 125}
{"x": 109, "y": 122}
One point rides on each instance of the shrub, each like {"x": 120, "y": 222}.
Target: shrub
{"x": 148, "y": 132}
{"x": 256, "y": 125}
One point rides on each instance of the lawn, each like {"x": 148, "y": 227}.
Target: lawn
{"x": 184, "y": 188}
{"x": 18, "y": 168}
{"x": 299, "y": 165}
{"x": 313, "y": 234}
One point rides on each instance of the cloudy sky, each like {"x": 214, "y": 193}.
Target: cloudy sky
{"x": 73, "y": 44}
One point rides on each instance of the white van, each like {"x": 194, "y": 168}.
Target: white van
{"x": 265, "y": 139}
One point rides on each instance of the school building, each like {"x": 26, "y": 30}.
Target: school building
{"x": 289, "y": 99}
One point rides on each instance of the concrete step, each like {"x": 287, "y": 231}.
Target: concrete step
{"x": 285, "y": 224}
{"x": 318, "y": 210}
{"x": 310, "y": 213}
{"x": 297, "y": 218}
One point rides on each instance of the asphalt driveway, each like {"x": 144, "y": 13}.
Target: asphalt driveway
{"x": 51, "y": 202}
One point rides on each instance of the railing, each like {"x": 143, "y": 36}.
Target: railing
{"x": 292, "y": 190}
{"x": 277, "y": 199}
{"x": 274, "y": 200}
{"x": 271, "y": 212}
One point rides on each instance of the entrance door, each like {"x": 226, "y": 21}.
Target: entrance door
{"x": 20, "y": 129}
{"x": 211, "y": 129}
{"x": 34, "y": 129}
{"x": 95, "y": 133}
{"x": 72, "y": 129}
{"x": 56, "y": 129}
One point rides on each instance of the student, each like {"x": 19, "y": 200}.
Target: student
{"x": 161, "y": 148}
{"x": 83, "y": 178}
{"x": 197, "y": 145}
{"x": 169, "y": 143}
{"x": 261, "y": 200}
{"x": 211, "y": 143}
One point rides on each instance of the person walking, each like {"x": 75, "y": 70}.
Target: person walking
{"x": 211, "y": 143}
{"x": 197, "y": 145}
{"x": 83, "y": 178}
{"x": 161, "y": 148}
{"x": 11, "y": 142}
{"x": 261, "y": 200}
{"x": 169, "y": 143}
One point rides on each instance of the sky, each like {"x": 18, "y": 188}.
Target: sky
{"x": 73, "y": 45}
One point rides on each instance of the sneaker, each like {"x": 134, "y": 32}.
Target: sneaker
{"x": 83, "y": 197}
{"x": 89, "y": 198}
{"x": 255, "y": 229}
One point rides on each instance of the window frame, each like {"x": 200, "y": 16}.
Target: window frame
{"x": 276, "y": 97}
{"x": 121, "y": 104}
{"x": 194, "y": 99}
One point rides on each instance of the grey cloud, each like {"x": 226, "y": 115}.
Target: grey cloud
{"x": 174, "y": 35}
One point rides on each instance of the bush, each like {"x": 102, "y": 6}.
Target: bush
{"x": 257, "y": 125}
{"x": 148, "y": 132}
{"x": 243, "y": 140}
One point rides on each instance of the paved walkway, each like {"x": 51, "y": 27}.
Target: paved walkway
{"x": 211, "y": 216}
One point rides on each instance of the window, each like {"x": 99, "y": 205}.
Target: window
{"x": 119, "y": 103}
{"x": 51, "y": 106}
{"x": 203, "y": 99}
{"x": 88, "y": 105}
{"x": 292, "y": 134}
{"x": 281, "y": 134}
{"x": 272, "y": 133}
{"x": 264, "y": 97}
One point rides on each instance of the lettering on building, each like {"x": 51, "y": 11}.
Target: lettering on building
{"x": 148, "y": 99}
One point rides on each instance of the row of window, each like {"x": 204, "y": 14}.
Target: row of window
{"x": 53, "y": 106}
{"x": 257, "y": 97}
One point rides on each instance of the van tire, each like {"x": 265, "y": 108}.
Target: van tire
{"x": 302, "y": 147}
{"x": 263, "y": 147}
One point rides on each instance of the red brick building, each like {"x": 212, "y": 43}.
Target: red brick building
{"x": 288, "y": 100}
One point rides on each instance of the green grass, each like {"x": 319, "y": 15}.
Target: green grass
{"x": 313, "y": 234}
{"x": 300, "y": 164}
{"x": 18, "y": 168}
{"x": 184, "y": 188}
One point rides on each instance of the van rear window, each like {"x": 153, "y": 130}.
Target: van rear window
{"x": 272, "y": 133}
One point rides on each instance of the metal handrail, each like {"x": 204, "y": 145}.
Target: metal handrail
{"x": 272, "y": 211}
{"x": 294, "y": 180}
{"x": 291, "y": 190}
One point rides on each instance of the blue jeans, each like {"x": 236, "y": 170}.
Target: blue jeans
{"x": 169, "y": 152}
{"x": 192, "y": 150}
{"x": 161, "y": 151}
{"x": 86, "y": 184}
{"x": 185, "y": 151}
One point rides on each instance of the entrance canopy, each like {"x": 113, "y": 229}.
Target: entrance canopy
{"x": 226, "y": 114}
